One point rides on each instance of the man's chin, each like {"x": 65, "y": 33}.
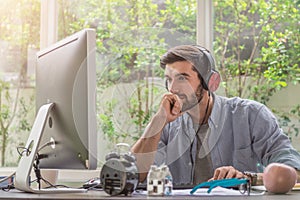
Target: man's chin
{"x": 187, "y": 107}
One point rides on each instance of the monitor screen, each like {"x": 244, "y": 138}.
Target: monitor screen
{"x": 66, "y": 76}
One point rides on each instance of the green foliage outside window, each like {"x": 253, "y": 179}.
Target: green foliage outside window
{"x": 257, "y": 50}
{"x": 256, "y": 45}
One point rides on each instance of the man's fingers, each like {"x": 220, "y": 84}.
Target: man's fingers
{"x": 176, "y": 109}
{"x": 240, "y": 175}
{"x": 177, "y": 105}
{"x": 174, "y": 103}
{"x": 170, "y": 107}
{"x": 216, "y": 174}
{"x": 222, "y": 174}
{"x": 226, "y": 172}
{"x": 231, "y": 173}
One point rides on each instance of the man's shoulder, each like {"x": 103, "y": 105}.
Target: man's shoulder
{"x": 237, "y": 102}
{"x": 236, "y": 106}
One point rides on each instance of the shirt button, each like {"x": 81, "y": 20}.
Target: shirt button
{"x": 190, "y": 163}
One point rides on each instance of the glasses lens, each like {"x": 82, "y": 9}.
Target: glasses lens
{"x": 243, "y": 188}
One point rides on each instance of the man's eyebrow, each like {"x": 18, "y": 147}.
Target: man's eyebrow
{"x": 182, "y": 74}
{"x": 179, "y": 74}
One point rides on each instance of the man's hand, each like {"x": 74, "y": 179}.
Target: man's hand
{"x": 170, "y": 107}
{"x": 227, "y": 172}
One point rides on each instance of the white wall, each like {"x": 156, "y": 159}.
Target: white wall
{"x": 285, "y": 100}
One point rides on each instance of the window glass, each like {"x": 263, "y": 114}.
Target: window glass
{"x": 19, "y": 40}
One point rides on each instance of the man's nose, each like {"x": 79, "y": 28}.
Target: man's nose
{"x": 173, "y": 87}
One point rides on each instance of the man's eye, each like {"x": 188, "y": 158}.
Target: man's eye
{"x": 181, "y": 78}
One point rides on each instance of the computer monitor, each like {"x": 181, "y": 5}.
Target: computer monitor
{"x": 63, "y": 135}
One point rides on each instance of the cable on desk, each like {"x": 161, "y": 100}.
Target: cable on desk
{"x": 8, "y": 186}
{"x": 95, "y": 187}
{"x": 8, "y": 177}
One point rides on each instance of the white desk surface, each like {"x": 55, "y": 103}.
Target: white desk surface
{"x": 15, "y": 194}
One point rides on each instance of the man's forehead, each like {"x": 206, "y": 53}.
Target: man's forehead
{"x": 179, "y": 68}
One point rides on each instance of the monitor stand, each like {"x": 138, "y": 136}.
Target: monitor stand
{"x": 22, "y": 177}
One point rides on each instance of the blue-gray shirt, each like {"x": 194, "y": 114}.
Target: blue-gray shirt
{"x": 243, "y": 134}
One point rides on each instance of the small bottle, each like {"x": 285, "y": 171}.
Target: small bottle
{"x": 168, "y": 181}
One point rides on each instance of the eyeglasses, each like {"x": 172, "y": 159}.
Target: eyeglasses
{"x": 243, "y": 184}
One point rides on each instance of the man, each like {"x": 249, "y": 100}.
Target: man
{"x": 203, "y": 136}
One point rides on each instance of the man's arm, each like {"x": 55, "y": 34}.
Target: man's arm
{"x": 146, "y": 147}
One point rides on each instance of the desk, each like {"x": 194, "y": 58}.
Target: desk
{"x": 15, "y": 194}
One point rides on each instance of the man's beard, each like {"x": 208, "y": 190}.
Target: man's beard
{"x": 194, "y": 100}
